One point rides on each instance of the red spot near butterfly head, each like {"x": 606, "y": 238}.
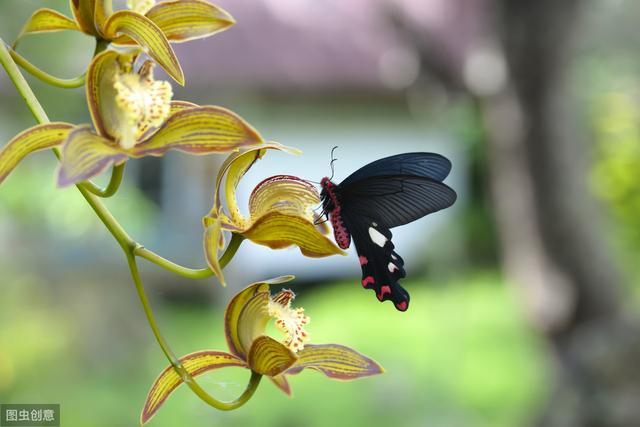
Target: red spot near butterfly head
{"x": 325, "y": 182}
{"x": 367, "y": 280}
{"x": 402, "y": 306}
{"x": 363, "y": 260}
{"x": 384, "y": 290}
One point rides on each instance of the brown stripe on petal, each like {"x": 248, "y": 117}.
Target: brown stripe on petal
{"x": 31, "y": 140}
{"x": 195, "y": 364}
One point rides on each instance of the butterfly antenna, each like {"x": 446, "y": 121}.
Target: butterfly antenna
{"x": 333, "y": 160}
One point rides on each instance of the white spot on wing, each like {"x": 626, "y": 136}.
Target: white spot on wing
{"x": 393, "y": 257}
{"x": 377, "y": 237}
{"x": 392, "y": 267}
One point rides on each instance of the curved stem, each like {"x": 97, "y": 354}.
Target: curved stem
{"x": 44, "y": 76}
{"x": 175, "y": 362}
{"x": 117, "y": 173}
{"x": 200, "y": 273}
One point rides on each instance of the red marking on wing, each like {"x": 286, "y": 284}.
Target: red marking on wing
{"x": 383, "y": 291}
{"x": 367, "y": 280}
{"x": 402, "y": 306}
{"x": 363, "y": 260}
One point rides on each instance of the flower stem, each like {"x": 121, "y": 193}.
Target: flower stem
{"x": 117, "y": 173}
{"x": 177, "y": 366}
{"x": 21, "y": 84}
{"x": 200, "y": 273}
{"x": 44, "y": 76}
{"x": 127, "y": 244}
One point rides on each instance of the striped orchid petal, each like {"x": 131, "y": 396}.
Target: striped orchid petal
{"x": 45, "y": 21}
{"x": 200, "y": 130}
{"x": 85, "y": 155}
{"x": 185, "y": 20}
{"x": 335, "y": 361}
{"x": 148, "y": 35}
{"x": 196, "y": 364}
{"x": 31, "y": 140}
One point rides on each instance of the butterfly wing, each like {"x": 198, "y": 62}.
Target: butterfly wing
{"x": 397, "y": 199}
{"x": 426, "y": 165}
{"x": 382, "y": 267}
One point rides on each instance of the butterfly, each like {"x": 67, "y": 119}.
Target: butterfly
{"x": 386, "y": 193}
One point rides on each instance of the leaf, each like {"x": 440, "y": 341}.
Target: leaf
{"x": 183, "y": 20}
{"x": 83, "y": 11}
{"x": 46, "y": 20}
{"x": 270, "y": 357}
{"x": 336, "y": 362}
{"x": 195, "y": 364}
{"x": 279, "y": 231}
{"x": 33, "y": 139}
{"x": 148, "y": 35}
{"x": 212, "y": 236}
{"x": 200, "y": 130}
{"x": 85, "y": 155}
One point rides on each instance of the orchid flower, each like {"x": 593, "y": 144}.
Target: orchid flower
{"x": 245, "y": 322}
{"x": 149, "y": 25}
{"x": 280, "y": 211}
{"x": 133, "y": 116}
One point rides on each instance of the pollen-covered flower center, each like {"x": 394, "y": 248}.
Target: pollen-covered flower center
{"x": 140, "y": 6}
{"x": 289, "y": 320}
{"x": 143, "y": 103}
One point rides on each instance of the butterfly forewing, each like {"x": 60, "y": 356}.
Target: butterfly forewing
{"x": 396, "y": 200}
{"x": 426, "y": 165}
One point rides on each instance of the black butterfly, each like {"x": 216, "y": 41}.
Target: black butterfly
{"x": 384, "y": 194}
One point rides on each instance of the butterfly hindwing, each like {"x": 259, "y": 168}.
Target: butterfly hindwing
{"x": 382, "y": 267}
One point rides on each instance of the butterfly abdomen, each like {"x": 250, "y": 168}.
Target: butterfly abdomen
{"x": 333, "y": 209}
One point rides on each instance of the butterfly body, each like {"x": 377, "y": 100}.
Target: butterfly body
{"x": 384, "y": 194}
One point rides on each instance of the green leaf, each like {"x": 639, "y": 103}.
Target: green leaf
{"x": 148, "y": 35}
{"x": 33, "y": 139}
{"x": 85, "y": 155}
{"x": 336, "y": 362}
{"x": 195, "y": 364}
{"x": 200, "y": 130}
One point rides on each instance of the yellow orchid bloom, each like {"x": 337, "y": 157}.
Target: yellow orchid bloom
{"x": 149, "y": 25}
{"x": 134, "y": 116}
{"x": 280, "y": 211}
{"x": 245, "y": 322}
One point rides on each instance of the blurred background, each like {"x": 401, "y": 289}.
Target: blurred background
{"x": 524, "y": 295}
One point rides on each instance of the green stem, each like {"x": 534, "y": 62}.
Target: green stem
{"x": 201, "y": 273}
{"x": 44, "y": 76}
{"x": 21, "y": 84}
{"x": 117, "y": 174}
{"x": 175, "y": 362}
{"x": 127, "y": 244}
